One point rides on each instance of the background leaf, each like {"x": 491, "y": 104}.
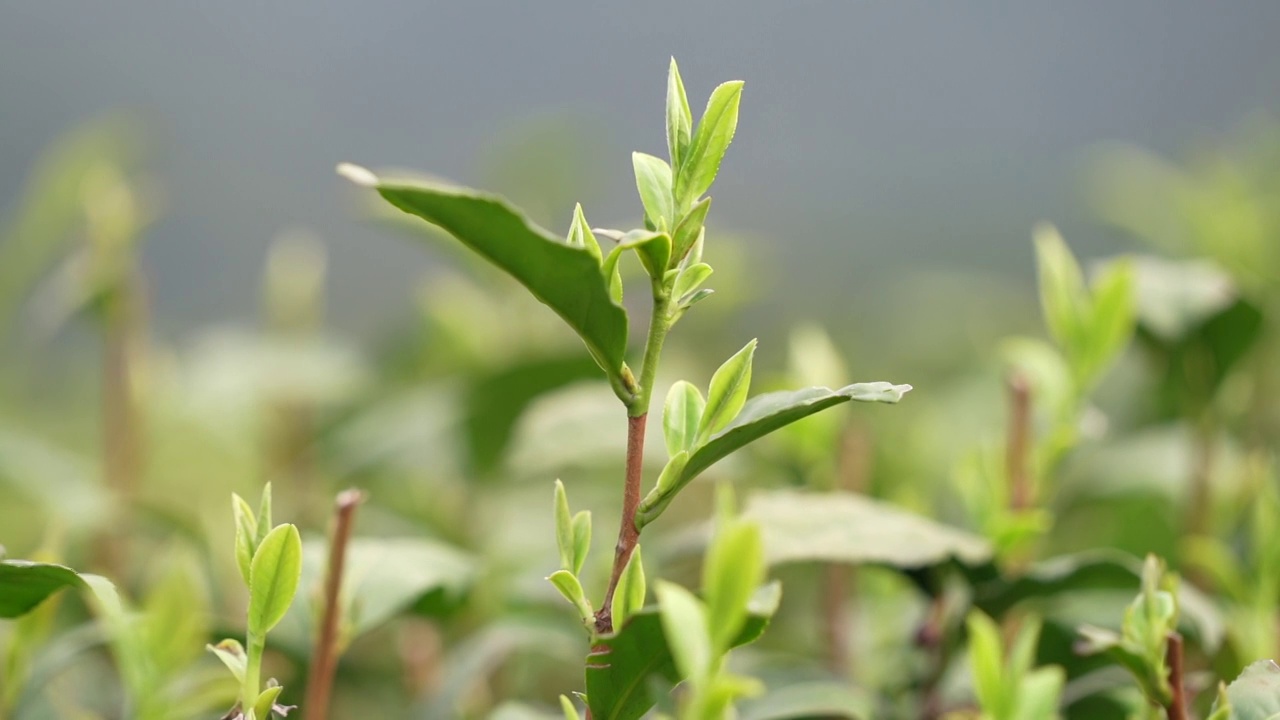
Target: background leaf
{"x": 25, "y": 584}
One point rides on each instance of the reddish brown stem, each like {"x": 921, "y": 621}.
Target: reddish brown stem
{"x": 628, "y": 534}
{"x": 1177, "y": 707}
{"x": 1018, "y": 449}
{"x": 840, "y": 581}
{"x": 324, "y": 657}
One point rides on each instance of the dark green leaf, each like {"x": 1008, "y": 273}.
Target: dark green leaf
{"x": 25, "y": 584}
{"x": 760, "y": 416}
{"x": 568, "y": 279}
{"x": 620, "y": 665}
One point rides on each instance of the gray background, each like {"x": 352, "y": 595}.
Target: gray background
{"x": 876, "y": 140}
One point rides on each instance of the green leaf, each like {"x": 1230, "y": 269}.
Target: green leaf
{"x": 629, "y": 596}
{"x": 264, "y": 516}
{"x": 679, "y": 116}
{"x": 568, "y": 585}
{"x": 612, "y": 273}
{"x": 246, "y": 534}
{"x": 653, "y": 249}
{"x": 621, "y": 665}
{"x": 581, "y": 539}
{"x": 986, "y": 662}
{"x": 570, "y": 711}
{"x": 1063, "y": 296}
{"x": 688, "y": 230}
{"x": 232, "y": 654}
{"x": 727, "y": 393}
{"x": 1111, "y": 323}
{"x": 850, "y": 528}
{"x": 568, "y": 279}
{"x": 680, "y": 416}
{"x": 732, "y": 570}
{"x": 266, "y": 701}
{"x": 1040, "y": 694}
{"x": 653, "y": 181}
{"x": 715, "y": 131}
{"x": 760, "y": 416}
{"x": 689, "y": 281}
{"x": 564, "y": 528}
{"x": 813, "y": 699}
{"x": 273, "y": 578}
{"x": 684, "y": 622}
{"x": 580, "y": 235}
{"x": 25, "y": 584}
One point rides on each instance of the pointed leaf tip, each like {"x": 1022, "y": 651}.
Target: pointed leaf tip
{"x": 361, "y": 176}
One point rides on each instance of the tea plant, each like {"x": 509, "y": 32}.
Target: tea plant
{"x": 582, "y": 283}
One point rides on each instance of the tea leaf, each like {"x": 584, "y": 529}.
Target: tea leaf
{"x": 568, "y": 585}
{"x": 731, "y": 571}
{"x": 25, "y": 584}
{"x": 680, "y": 416}
{"x": 653, "y": 181}
{"x": 715, "y": 131}
{"x": 564, "y": 528}
{"x": 273, "y": 578}
{"x": 567, "y": 279}
{"x": 629, "y": 596}
{"x": 728, "y": 392}
{"x": 684, "y": 622}
{"x": 679, "y": 116}
{"x": 688, "y": 230}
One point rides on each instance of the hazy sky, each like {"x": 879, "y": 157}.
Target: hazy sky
{"x": 872, "y": 134}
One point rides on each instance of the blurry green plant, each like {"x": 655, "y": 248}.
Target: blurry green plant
{"x": 583, "y": 284}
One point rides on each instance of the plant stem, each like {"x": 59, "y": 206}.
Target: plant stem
{"x": 252, "y": 672}
{"x": 121, "y": 418}
{"x": 1018, "y": 449}
{"x": 637, "y": 414}
{"x": 1177, "y": 707}
{"x": 324, "y": 658}
{"x": 839, "y": 580}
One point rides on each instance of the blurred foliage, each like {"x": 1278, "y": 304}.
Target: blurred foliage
{"x": 937, "y": 561}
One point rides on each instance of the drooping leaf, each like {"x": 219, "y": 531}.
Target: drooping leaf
{"x": 849, "y": 528}
{"x": 653, "y": 181}
{"x": 710, "y": 141}
{"x": 760, "y": 416}
{"x": 653, "y": 249}
{"x": 273, "y": 578}
{"x": 232, "y": 654}
{"x": 25, "y": 584}
{"x": 727, "y": 393}
{"x": 568, "y": 279}
{"x": 620, "y": 665}
{"x": 568, "y": 585}
{"x": 814, "y": 699}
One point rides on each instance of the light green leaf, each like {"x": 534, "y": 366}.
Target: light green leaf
{"x": 568, "y": 585}
{"x": 264, "y": 515}
{"x": 273, "y": 578}
{"x": 629, "y": 596}
{"x": 680, "y": 416}
{"x": 612, "y": 273}
{"x": 715, "y": 131}
{"x": 727, "y": 393}
{"x": 246, "y": 535}
{"x": 653, "y": 249}
{"x": 732, "y": 569}
{"x": 568, "y": 279}
{"x": 850, "y": 528}
{"x": 564, "y": 528}
{"x": 1041, "y": 694}
{"x": 813, "y": 699}
{"x": 986, "y": 662}
{"x": 266, "y": 701}
{"x": 760, "y": 416}
{"x": 581, "y": 539}
{"x": 689, "y": 230}
{"x": 1111, "y": 323}
{"x": 569, "y": 709}
{"x": 684, "y": 623}
{"x": 232, "y": 654}
{"x": 679, "y": 116}
{"x": 653, "y": 181}
{"x": 580, "y": 235}
{"x": 1063, "y": 296}
{"x": 689, "y": 281}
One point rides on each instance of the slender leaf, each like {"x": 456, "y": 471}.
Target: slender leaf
{"x": 760, "y": 416}
{"x": 690, "y": 228}
{"x": 679, "y": 116}
{"x": 715, "y": 131}
{"x": 732, "y": 570}
{"x": 568, "y": 279}
{"x": 653, "y": 181}
{"x": 629, "y": 596}
{"x": 564, "y": 527}
{"x": 581, "y": 539}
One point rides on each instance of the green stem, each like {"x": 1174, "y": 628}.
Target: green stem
{"x": 659, "y": 324}
{"x": 252, "y": 672}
